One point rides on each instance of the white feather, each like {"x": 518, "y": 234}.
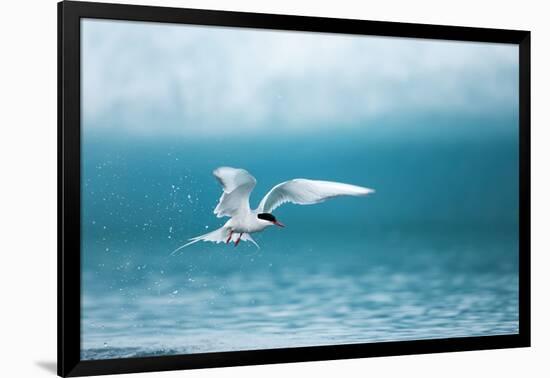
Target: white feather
{"x": 247, "y": 237}
{"x": 237, "y": 185}
{"x": 307, "y": 192}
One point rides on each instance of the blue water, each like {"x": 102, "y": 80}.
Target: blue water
{"x": 433, "y": 254}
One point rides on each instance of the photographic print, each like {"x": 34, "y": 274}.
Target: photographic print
{"x": 246, "y": 189}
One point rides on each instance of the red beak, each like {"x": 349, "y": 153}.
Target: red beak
{"x": 277, "y": 223}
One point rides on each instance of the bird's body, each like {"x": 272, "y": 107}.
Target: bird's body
{"x": 247, "y": 222}
{"x": 237, "y": 185}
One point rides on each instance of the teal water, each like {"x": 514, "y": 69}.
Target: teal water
{"x": 433, "y": 254}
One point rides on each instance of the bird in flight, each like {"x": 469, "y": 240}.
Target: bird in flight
{"x": 237, "y": 185}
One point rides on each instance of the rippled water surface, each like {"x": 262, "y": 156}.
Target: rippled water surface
{"x": 203, "y": 311}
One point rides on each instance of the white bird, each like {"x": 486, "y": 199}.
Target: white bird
{"x": 237, "y": 185}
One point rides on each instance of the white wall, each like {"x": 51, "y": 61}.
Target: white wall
{"x": 28, "y": 186}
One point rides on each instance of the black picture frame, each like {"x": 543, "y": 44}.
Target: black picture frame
{"x": 69, "y": 16}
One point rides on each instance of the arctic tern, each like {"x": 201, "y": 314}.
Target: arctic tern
{"x": 237, "y": 185}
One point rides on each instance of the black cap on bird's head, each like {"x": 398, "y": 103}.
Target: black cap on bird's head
{"x": 270, "y": 218}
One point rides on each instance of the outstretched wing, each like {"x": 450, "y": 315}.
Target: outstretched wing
{"x": 307, "y": 192}
{"x": 237, "y": 185}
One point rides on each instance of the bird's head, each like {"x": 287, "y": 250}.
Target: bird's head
{"x": 267, "y": 217}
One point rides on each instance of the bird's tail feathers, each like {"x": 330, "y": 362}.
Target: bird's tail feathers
{"x": 247, "y": 237}
{"x": 217, "y": 236}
